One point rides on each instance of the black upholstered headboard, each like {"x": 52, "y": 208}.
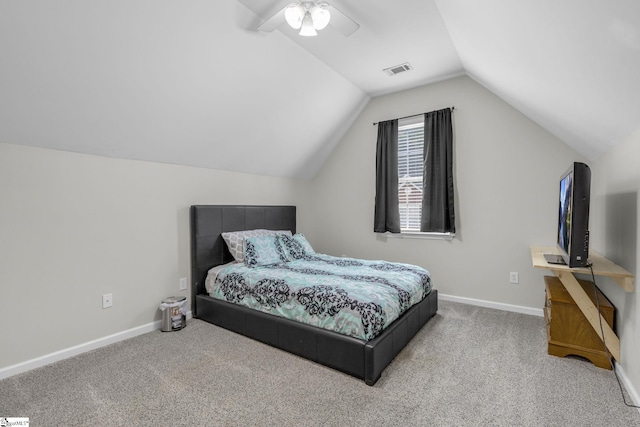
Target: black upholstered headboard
{"x": 208, "y": 222}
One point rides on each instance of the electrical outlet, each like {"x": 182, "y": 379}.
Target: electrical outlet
{"x": 513, "y": 277}
{"x": 107, "y": 300}
{"x": 183, "y": 283}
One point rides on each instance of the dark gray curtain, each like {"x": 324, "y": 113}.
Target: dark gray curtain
{"x": 387, "y": 210}
{"x": 437, "y": 200}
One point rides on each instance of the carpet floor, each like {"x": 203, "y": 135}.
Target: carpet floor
{"x": 469, "y": 366}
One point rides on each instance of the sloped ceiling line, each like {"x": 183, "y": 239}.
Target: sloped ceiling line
{"x": 195, "y": 83}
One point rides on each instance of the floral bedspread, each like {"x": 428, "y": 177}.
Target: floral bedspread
{"x": 353, "y": 297}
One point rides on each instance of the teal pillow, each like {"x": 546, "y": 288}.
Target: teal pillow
{"x": 299, "y": 237}
{"x": 296, "y": 247}
{"x": 264, "y": 250}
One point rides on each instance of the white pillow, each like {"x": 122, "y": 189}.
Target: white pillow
{"x": 235, "y": 240}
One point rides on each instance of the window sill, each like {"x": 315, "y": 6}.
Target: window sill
{"x": 420, "y": 235}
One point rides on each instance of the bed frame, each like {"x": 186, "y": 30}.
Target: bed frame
{"x": 363, "y": 359}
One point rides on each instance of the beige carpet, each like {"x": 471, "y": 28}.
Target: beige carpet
{"x": 469, "y": 366}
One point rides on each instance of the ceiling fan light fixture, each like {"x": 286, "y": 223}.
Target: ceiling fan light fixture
{"x": 307, "y": 29}
{"x": 294, "y": 14}
{"x": 317, "y": 14}
{"x": 320, "y": 15}
{"x": 307, "y": 16}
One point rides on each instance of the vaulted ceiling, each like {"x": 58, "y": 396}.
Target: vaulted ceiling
{"x": 193, "y": 82}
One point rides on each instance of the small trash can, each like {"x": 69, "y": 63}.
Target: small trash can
{"x": 174, "y": 314}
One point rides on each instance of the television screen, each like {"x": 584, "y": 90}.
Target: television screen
{"x": 573, "y": 216}
{"x": 564, "y": 218}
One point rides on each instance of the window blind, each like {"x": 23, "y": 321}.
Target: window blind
{"x": 410, "y": 168}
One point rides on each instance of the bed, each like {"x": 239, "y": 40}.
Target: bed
{"x": 361, "y": 358}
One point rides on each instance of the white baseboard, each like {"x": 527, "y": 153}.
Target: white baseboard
{"x": 491, "y": 304}
{"x": 633, "y": 394}
{"x": 79, "y": 349}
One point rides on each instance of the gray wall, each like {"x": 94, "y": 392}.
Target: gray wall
{"x": 74, "y": 227}
{"x": 507, "y": 170}
{"x": 614, "y": 232}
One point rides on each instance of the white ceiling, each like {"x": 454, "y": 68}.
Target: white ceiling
{"x": 573, "y": 66}
{"x": 390, "y": 33}
{"x": 192, "y": 82}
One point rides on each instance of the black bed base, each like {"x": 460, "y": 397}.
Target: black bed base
{"x": 362, "y": 359}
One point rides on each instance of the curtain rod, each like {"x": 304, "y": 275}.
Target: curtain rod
{"x": 413, "y": 115}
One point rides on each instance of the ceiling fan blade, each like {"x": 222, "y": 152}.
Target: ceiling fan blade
{"x": 274, "y": 22}
{"x": 342, "y": 22}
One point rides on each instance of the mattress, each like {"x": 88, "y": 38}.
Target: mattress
{"x": 354, "y": 297}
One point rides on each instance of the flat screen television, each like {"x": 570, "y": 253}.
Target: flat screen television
{"x": 573, "y": 216}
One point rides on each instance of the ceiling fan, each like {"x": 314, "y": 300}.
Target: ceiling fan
{"x": 309, "y": 17}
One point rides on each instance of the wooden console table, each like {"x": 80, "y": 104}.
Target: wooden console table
{"x": 601, "y": 267}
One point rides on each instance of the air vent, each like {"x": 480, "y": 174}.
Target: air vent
{"x": 392, "y": 71}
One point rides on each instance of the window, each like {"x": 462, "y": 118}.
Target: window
{"x": 410, "y": 168}
{"x": 414, "y": 176}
